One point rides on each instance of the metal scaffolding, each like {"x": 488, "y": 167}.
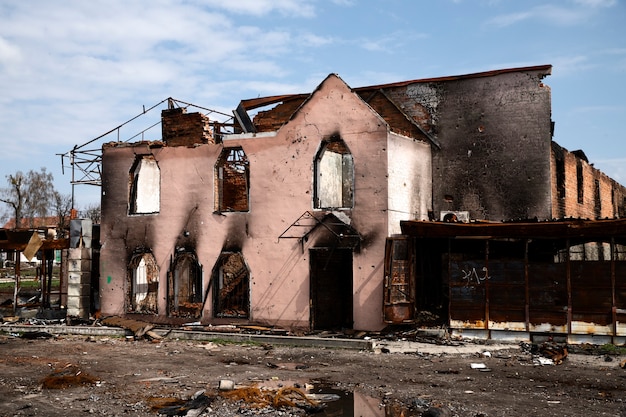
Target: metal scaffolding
{"x": 85, "y": 161}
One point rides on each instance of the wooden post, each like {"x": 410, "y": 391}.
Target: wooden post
{"x": 16, "y": 288}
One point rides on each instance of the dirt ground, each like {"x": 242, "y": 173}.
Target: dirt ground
{"x": 117, "y": 376}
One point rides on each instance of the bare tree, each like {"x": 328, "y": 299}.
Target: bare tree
{"x": 14, "y": 195}
{"x": 93, "y": 212}
{"x": 63, "y": 209}
{"x": 29, "y": 195}
{"x": 41, "y": 194}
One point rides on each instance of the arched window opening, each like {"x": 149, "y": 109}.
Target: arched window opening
{"x": 334, "y": 176}
{"x": 231, "y": 280}
{"x": 185, "y": 286}
{"x": 144, "y": 284}
{"x": 145, "y": 185}
{"x": 232, "y": 173}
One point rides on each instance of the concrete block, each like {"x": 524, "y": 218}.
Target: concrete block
{"x": 78, "y": 278}
{"x": 79, "y": 253}
{"x": 78, "y": 312}
{"x": 78, "y": 290}
{"x": 78, "y": 265}
{"x": 76, "y": 303}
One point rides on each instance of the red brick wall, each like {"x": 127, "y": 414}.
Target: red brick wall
{"x": 182, "y": 129}
{"x": 611, "y": 193}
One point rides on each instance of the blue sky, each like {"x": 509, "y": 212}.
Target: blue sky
{"x": 72, "y": 70}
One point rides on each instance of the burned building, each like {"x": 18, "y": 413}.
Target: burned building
{"x": 284, "y": 220}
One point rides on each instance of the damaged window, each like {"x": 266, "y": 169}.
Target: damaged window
{"x": 597, "y": 200}
{"x": 145, "y": 184}
{"x": 334, "y": 176}
{"x": 185, "y": 286}
{"x": 144, "y": 284}
{"x": 231, "y": 279}
{"x": 560, "y": 178}
{"x": 232, "y": 172}
{"x": 579, "y": 181}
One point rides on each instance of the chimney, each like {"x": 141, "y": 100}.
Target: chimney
{"x": 182, "y": 129}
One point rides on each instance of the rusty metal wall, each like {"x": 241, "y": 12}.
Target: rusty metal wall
{"x": 536, "y": 286}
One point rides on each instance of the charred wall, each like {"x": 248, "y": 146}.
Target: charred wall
{"x": 495, "y": 135}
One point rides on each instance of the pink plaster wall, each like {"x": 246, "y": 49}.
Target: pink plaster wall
{"x": 281, "y": 190}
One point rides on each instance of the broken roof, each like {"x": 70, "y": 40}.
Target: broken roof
{"x": 254, "y": 103}
{"x": 288, "y": 104}
{"x": 563, "y": 229}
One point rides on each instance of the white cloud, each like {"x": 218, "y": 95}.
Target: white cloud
{"x": 296, "y": 8}
{"x": 314, "y": 40}
{"x": 596, "y": 3}
{"x": 552, "y": 14}
{"x": 567, "y": 65}
{"x": 9, "y": 53}
{"x": 509, "y": 19}
{"x": 348, "y": 3}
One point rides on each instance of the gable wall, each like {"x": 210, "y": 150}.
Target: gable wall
{"x": 495, "y": 135}
{"x": 281, "y": 190}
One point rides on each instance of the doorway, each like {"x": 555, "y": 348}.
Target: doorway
{"x": 331, "y": 288}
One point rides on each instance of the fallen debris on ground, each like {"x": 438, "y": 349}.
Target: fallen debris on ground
{"x": 139, "y": 328}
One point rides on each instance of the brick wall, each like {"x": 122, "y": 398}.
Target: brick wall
{"x": 597, "y": 196}
{"x": 182, "y": 129}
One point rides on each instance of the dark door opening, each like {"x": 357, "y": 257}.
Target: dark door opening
{"x": 185, "y": 286}
{"x": 331, "y": 288}
{"x": 231, "y": 280}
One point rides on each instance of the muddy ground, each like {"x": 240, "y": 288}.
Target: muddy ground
{"x": 117, "y": 376}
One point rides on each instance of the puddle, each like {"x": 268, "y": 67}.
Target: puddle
{"x": 355, "y": 404}
{"x": 336, "y": 402}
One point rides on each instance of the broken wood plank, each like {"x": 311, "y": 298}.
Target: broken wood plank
{"x": 139, "y": 328}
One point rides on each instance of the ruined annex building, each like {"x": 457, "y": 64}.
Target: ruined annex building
{"x": 289, "y": 218}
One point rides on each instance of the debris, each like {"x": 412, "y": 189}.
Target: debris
{"x": 66, "y": 377}
{"x": 553, "y": 351}
{"x": 437, "y": 411}
{"x": 478, "y": 366}
{"x": 622, "y": 364}
{"x": 163, "y": 379}
{"x": 195, "y": 406}
{"x": 36, "y": 335}
{"x": 139, "y": 328}
{"x": 539, "y": 360}
{"x": 226, "y": 385}
{"x": 281, "y": 398}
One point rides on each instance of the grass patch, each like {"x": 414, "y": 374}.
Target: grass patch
{"x": 27, "y": 285}
{"x": 611, "y": 349}
{"x": 224, "y": 341}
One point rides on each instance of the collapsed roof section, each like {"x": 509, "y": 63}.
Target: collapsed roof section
{"x": 415, "y": 124}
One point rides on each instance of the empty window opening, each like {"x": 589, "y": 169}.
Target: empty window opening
{"x": 144, "y": 284}
{"x": 334, "y": 176}
{"x": 579, "y": 181}
{"x": 232, "y": 171}
{"x": 145, "y": 184}
{"x": 596, "y": 199}
{"x": 231, "y": 278}
{"x": 185, "y": 286}
{"x": 560, "y": 178}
